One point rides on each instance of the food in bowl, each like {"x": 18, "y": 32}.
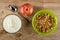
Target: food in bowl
{"x": 44, "y": 22}
{"x": 12, "y": 23}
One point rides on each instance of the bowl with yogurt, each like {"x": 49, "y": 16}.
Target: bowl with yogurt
{"x": 12, "y": 23}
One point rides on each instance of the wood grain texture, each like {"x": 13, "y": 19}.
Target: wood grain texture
{"x": 27, "y": 32}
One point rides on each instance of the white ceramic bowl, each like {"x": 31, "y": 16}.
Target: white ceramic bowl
{"x": 12, "y": 23}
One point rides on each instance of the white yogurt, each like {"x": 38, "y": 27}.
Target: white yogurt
{"x": 12, "y": 23}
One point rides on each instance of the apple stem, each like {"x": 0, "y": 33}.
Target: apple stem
{"x": 26, "y": 9}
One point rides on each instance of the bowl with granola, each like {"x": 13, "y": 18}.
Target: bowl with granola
{"x": 44, "y": 22}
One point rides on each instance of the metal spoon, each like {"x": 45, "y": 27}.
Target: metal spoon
{"x": 14, "y": 9}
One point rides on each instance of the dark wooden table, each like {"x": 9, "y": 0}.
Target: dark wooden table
{"x": 27, "y": 32}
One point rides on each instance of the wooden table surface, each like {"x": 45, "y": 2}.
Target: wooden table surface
{"x": 27, "y": 32}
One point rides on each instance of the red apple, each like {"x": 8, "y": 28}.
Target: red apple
{"x": 26, "y": 9}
